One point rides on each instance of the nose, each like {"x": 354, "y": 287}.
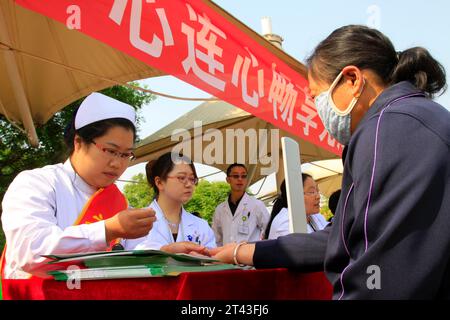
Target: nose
{"x": 116, "y": 163}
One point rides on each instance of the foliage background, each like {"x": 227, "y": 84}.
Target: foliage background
{"x": 206, "y": 197}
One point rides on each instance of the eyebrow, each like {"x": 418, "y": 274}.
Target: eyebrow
{"x": 184, "y": 172}
{"x": 118, "y": 147}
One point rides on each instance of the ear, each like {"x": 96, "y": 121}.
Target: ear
{"x": 228, "y": 180}
{"x": 354, "y": 79}
{"x": 159, "y": 183}
{"x": 77, "y": 143}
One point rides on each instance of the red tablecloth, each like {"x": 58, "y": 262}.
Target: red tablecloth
{"x": 265, "y": 284}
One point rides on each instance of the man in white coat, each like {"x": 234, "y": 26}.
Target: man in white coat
{"x": 241, "y": 217}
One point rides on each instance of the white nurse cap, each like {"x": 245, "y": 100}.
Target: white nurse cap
{"x": 98, "y": 107}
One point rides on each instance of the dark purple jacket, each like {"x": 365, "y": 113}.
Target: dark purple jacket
{"x": 393, "y": 217}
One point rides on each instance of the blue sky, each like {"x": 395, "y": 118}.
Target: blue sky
{"x": 303, "y": 24}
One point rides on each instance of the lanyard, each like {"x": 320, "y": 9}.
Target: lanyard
{"x": 166, "y": 222}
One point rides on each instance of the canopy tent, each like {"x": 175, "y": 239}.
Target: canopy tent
{"x": 225, "y": 119}
{"x": 44, "y": 66}
{"x": 196, "y": 41}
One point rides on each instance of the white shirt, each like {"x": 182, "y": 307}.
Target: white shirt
{"x": 39, "y": 210}
{"x": 280, "y": 224}
{"x": 191, "y": 228}
{"x": 247, "y": 224}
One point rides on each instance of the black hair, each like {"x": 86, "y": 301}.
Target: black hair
{"x": 333, "y": 201}
{"x": 162, "y": 166}
{"x": 94, "y": 130}
{"x": 281, "y": 202}
{"x": 235, "y": 165}
{"x": 368, "y": 48}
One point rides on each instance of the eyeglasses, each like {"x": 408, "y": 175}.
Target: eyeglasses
{"x": 185, "y": 179}
{"x": 237, "y": 176}
{"x": 312, "y": 193}
{"x": 114, "y": 153}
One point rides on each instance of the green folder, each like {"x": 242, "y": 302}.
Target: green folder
{"x": 130, "y": 264}
{"x": 132, "y": 254}
{"x": 123, "y": 261}
{"x": 143, "y": 271}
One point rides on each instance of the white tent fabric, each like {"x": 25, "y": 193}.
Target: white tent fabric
{"x": 44, "y": 66}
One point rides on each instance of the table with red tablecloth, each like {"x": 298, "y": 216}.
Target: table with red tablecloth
{"x": 263, "y": 284}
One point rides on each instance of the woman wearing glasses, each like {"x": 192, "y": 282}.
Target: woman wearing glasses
{"x": 279, "y": 218}
{"x": 74, "y": 206}
{"x": 173, "y": 178}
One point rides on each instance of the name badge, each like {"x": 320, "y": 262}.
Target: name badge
{"x": 243, "y": 229}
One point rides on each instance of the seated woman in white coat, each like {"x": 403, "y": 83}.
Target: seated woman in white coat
{"x": 75, "y": 206}
{"x": 173, "y": 178}
{"x": 279, "y": 218}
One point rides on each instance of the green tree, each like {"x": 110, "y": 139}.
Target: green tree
{"x": 325, "y": 210}
{"x": 138, "y": 193}
{"x": 206, "y": 197}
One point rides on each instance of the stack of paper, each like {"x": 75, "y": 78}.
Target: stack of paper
{"x": 130, "y": 264}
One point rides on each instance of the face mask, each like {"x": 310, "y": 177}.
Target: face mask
{"x": 337, "y": 122}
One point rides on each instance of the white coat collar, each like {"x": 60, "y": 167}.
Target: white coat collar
{"x": 187, "y": 223}
{"x": 77, "y": 181}
{"x": 318, "y": 220}
{"x": 158, "y": 211}
{"x": 242, "y": 206}
{"x": 244, "y": 201}
{"x": 186, "y": 218}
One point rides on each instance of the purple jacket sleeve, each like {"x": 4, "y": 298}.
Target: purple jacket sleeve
{"x": 301, "y": 251}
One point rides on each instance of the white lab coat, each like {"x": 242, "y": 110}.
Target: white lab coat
{"x": 280, "y": 224}
{"x": 248, "y": 223}
{"x": 39, "y": 210}
{"x": 191, "y": 228}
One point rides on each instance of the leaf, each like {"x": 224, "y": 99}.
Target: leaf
{"x": 7, "y": 170}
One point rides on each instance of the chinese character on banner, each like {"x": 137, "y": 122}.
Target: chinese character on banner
{"x": 283, "y": 96}
{"x": 153, "y": 48}
{"x": 252, "y": 100}
{"x": 309, "y": 109}
{"x": 205, "y": 38}
{"x": 330, "y": 140}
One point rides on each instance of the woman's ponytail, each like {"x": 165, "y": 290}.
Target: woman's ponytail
{"x": 417, "y": 66}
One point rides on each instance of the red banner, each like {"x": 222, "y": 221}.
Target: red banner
{"x": 191, "y": 41}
